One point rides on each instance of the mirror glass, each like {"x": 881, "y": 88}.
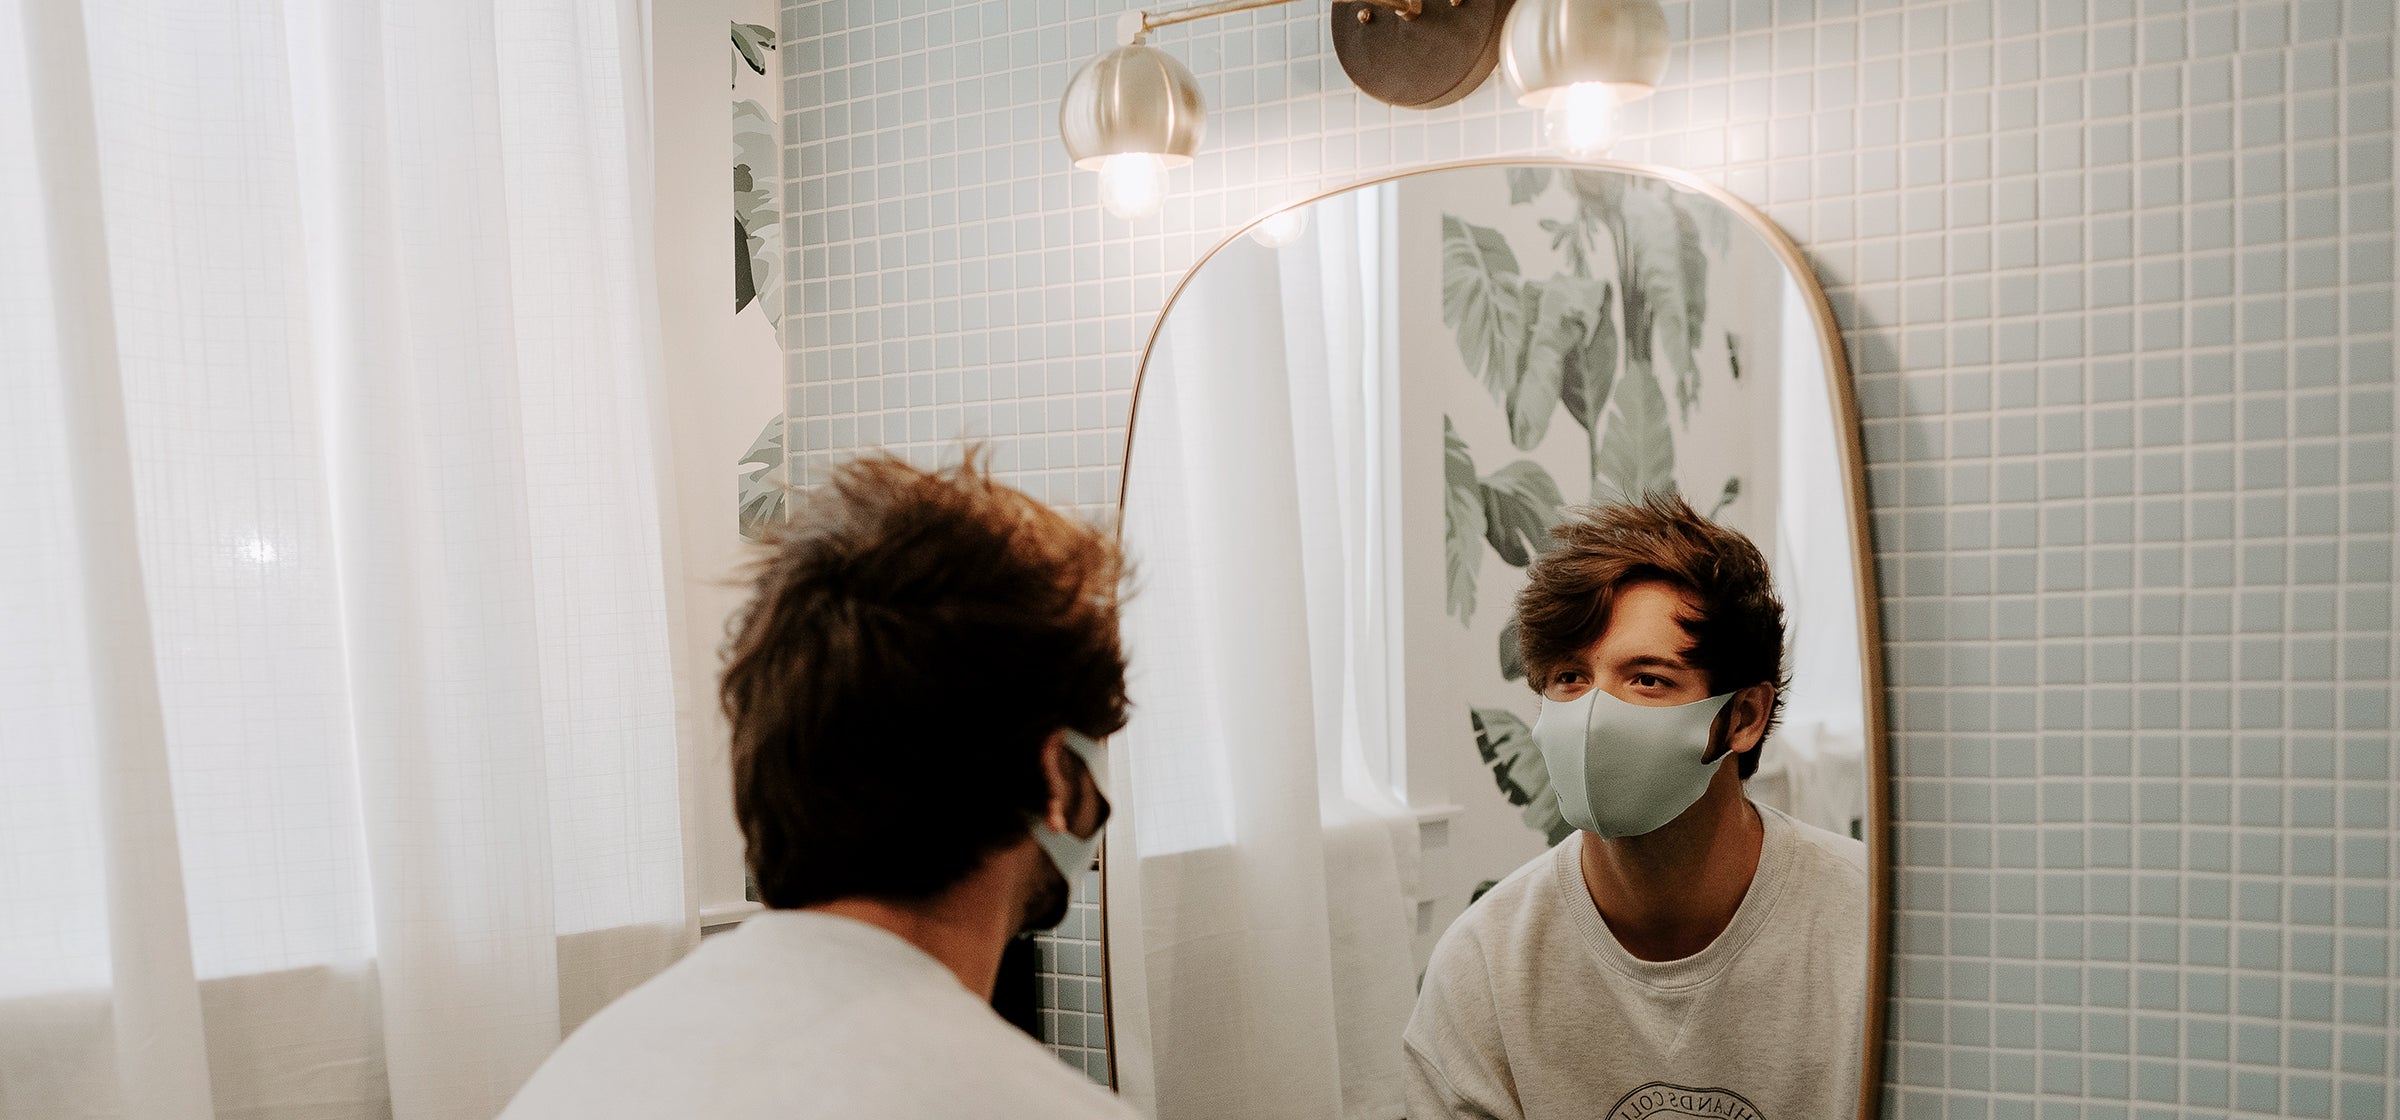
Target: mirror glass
{"x": 1357, "y": 423}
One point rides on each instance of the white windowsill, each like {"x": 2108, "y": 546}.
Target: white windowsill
{"x": 727, "y": 916}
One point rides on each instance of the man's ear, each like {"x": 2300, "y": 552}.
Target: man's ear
{"x": 1745, "y": 718}
{"x": 1059, "y": 772}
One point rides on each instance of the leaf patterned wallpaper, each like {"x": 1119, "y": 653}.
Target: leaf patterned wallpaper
{"x": 762, "y": 483}
{"x": 1596, "y": 294}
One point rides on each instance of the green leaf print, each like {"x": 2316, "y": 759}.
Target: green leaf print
{"x": 1489, "y": 307}
{"x": 1463, "y": 524}
{"x": 1506, "y": 745}
{"x": 1520, "y": 504}
{"x": 757, "y": 217}
{"x": 1637, "y": 450}
{"x": 754, "y": 41}
{"x": 762, "y": 503}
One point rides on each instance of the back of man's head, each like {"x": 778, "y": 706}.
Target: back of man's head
{"x": 1735, "y": 622}
{"x": 913, "y": 640}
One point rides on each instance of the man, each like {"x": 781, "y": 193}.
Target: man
{"x": 1686, "y": 952}
{"x": 915, "y": 693}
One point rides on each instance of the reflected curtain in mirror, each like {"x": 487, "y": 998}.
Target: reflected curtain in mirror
{"x": 1261, "y": 854}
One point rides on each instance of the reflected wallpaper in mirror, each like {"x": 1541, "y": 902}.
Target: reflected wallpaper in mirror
{"x": 1356, "y": 427}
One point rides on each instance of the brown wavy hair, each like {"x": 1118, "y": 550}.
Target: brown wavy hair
{"x": 1735, "y": 622}
{"x": 914, "y": 638}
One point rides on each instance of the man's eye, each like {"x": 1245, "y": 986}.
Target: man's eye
{"x": 1647, "y": 680}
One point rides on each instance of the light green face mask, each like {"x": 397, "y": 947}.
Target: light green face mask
{"x": 1072, "y": 854}
{"x": 1623, "y": 769}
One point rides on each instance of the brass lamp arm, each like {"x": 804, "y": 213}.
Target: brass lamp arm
{"x": 1132, "y": 32}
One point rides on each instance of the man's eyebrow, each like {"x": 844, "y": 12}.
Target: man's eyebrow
{"x": 1653, "y": 661}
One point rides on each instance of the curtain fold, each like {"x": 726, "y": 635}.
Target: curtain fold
{"x": 1815, "y": 768}
{"x": 338, "y": 771}
{"x": 1258, "y": 873}
{"x": 1337, "y": 292}
{"x": 156, "y": 1011}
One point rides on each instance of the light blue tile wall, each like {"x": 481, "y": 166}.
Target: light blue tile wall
{"x": 2116, "y": 277}
{"x": 1070, "y": 984}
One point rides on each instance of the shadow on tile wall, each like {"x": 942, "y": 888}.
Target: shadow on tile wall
{"x": 2117, "y": 281}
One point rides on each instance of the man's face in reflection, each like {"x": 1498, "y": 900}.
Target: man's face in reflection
{"x": 1643, "y": 657}
{"x": 1658, "y": 607}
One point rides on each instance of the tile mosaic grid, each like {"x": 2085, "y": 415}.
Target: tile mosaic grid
{"x": 2116, "y": 277}
{"x": 1068, "y": 960}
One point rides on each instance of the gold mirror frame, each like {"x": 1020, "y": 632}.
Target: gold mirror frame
{"x": 1862, "y": 560}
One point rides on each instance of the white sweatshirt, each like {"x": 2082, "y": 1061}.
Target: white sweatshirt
{"x": 800, "y": 1015}
{"x": 1531, "y": 1010}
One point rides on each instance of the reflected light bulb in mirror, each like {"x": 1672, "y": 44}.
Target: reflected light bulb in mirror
{"x": 1580, "y": 122}
{"x": 1280, "y": 228}
{"x": 1133, "y": 184}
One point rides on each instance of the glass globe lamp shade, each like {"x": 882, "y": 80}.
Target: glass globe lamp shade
{"x": 1577, "y": 60}
{"x": 1132, "y": 114}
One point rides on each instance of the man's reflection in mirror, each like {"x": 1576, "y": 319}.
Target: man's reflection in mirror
{"x": 1685, "y": 952}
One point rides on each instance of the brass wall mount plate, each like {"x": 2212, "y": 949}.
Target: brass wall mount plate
{"x": 1422, "y": 63}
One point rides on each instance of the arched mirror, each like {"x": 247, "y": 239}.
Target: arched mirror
{"x": 1361, "y": 867}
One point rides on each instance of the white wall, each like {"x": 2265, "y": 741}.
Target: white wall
{"x": 723, "y": 373}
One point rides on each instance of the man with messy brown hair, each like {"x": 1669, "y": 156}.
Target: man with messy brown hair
{"x": 916, "y": 691}
{"x": 1685, "y": 951}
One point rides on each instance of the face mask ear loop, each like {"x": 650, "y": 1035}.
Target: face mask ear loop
{"x": 1719, "y": 744}
{"x": 1720, "y": 731}
{"x": 1091, "y": 756}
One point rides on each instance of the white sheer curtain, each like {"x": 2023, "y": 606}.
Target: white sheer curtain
{"x": 1816, "y": 767}
{"x": 1259, "y": 873}
{"x": 337, "y": 763}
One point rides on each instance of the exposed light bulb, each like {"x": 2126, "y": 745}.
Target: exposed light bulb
{"x": 1580, "y": 121}
{"x": 1133, "y": 184}
{"x": 1280, "y": 228}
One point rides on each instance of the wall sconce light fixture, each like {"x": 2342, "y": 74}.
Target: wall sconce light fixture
{"x": 1577, "y": 60}
{"x": 1134, "y": 112}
